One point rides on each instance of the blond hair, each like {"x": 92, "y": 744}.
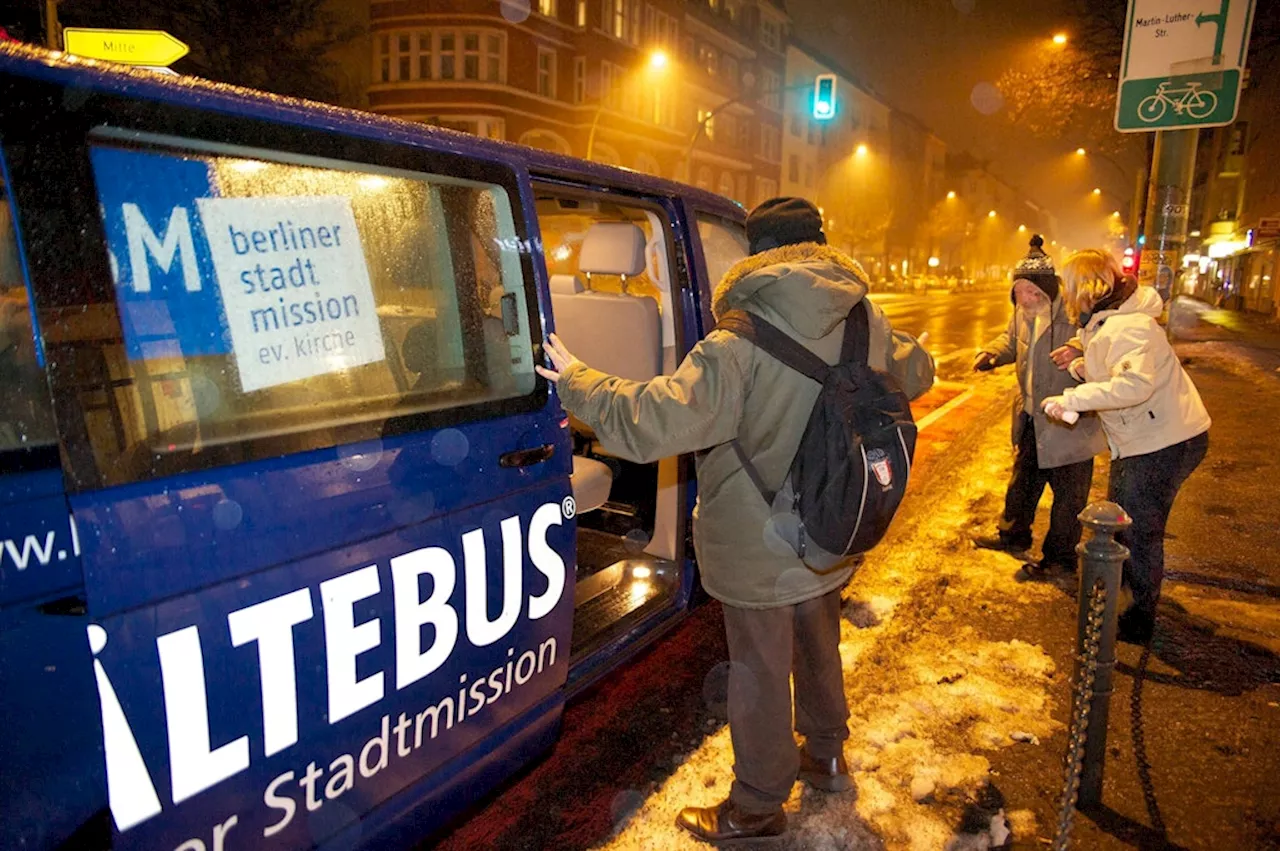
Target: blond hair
{"x": 1088, "y": 277}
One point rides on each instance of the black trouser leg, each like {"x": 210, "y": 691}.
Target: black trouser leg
{"x": 822, "y": 711}
{"x": 1070, "y": 484}
{"x": 1145, "y": 486}
{"x": 1025, "y": 487}
{"x": 765, "y": 759}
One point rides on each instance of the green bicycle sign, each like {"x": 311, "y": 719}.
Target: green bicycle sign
{"x": 1182, "y": 63}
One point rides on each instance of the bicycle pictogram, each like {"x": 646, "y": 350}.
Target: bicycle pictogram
{"x": 1190, "y": 99}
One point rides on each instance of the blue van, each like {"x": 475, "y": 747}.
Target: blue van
{"x": 296, "y": 549}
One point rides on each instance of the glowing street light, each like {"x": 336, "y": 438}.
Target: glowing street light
{"x": 951, "y": 196}
{"x": 1080, "y": 152}
{"x": 861, "y": 150}
{"x": 657, "y": 63}
{"x": 1022, "y": 228}
{"x": 934, "y": 262}
{"x": 1115, "y": 214}
{"x": 991, "y": 214}
{"x": 1096, "y": 191}
{"x": 1060, "y": 39}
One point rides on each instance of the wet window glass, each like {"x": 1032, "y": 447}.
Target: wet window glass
{"x": 285, "y": 299}
{"x": 724, "y": 243}
{"x": 26, "y": 420}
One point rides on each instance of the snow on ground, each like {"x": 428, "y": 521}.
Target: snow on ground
{"x": 928, "y": 696}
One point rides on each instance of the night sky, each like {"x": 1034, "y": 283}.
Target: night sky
{"x": 926, "y": 57}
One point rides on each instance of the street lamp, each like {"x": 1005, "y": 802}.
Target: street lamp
{"x": 1060, "y": 39}
{"x": 991, "y": 214}
{"x": 861, "y": 150}
{"x": 1096, "y": 191}
{"x": 951, "y": 196}
{"x": 1080, "y": 152}
{"x": 657, "y": 63}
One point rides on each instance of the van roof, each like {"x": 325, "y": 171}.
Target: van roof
{"x": 52, "y": 66}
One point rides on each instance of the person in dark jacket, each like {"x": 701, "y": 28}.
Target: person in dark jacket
{"x": 780, "y": 617}
{"x": 1046, "y": 451}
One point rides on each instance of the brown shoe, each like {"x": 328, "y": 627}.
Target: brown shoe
{"x": 829, "y": 775}
{"x": 724, "y": 824}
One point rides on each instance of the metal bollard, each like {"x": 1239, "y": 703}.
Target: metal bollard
{"x": 1101, "y": 558}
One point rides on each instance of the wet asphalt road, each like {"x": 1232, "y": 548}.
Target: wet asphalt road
{"x": 957, "y": 324}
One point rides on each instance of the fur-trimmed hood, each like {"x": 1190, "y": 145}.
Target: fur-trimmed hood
{"x": 811, "y": 286}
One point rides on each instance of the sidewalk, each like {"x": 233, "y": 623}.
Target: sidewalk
{"x": 1208, "y": 711}
{"x": 958, "y": 672}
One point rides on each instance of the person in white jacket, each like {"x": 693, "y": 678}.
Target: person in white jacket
{"x": 1156, "y": 424}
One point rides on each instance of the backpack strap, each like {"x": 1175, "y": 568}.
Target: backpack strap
{"x": 752, "y": 473}
{"x": 780, "y": 345}
{"x": 775, "y": 342}
{"x": 856, "y": 347}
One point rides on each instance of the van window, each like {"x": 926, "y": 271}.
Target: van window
{"x": 26, "y": 419}
{"x": 724, "y": 243}
{"x": 271, "y": 303}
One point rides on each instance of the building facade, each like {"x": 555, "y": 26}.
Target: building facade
{"x": 623, "y": 82}
{"x": 1233, "y": 254}
{"x": 982, "y": 226}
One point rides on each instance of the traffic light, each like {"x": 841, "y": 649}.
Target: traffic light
{"x": 1130, "y": 261}
{"x": 824, "y": 97}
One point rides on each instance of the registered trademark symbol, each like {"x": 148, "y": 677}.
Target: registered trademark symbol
{"x": 568, "y": 508}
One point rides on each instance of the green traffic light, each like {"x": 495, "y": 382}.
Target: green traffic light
{"x": 824, "y": 97}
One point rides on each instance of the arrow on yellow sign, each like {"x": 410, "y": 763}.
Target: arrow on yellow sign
{"x": 131, "y": 47}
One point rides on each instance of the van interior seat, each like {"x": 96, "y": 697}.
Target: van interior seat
{"x": 591, "y": 482}
{"x": 616, "y": 333}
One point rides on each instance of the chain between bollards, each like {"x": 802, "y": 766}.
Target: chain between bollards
{"x": 1101, "y": 559}
{"x": 1081, "y": 709}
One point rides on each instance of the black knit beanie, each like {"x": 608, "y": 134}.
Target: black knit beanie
{"x": 783, "y": 221}
{"x": 1037, "y": 268}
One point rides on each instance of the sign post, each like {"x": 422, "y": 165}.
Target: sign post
{"x": 152, "y": 48}
{"x": 1183, "y": 63}
{"x": 1182, "y": 70}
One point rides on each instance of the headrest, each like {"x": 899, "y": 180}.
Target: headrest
{"x": 566, "y": 285}
{"x": 612, "y": 248}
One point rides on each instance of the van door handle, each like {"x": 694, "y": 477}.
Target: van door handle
{"x": 528, "y": 457}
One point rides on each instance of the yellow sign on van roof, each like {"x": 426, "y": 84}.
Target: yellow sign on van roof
{"x": 131, "y": 47}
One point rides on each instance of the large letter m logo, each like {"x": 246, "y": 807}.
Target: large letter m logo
{"x": 143, "y": 242}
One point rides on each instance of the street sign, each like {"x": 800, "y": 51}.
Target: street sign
{"x": 130, "y": 47}
{"x": 1183, "y": 63}
{"x": 1268, "y": 228}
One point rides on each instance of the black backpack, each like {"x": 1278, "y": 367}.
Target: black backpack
{"x": 850, "y": 473}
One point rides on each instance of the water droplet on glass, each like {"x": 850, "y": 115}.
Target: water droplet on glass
{"x": 797, "y": 583}
{"x": 625, "y": 804}
{"x": 450, "y": 447}
{"x": 207, "y": 396}
{"x": 729, "y": 681}
{"x": 635, "y": 541}
{"x": 986, "y": 98}
{"x": 781, "y": 532}
{"x": 227, "y": 514}
{"x": 515, "y": 11}
{"x": 360, "y": 461}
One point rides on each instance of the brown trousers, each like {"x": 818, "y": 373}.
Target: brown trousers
{"x": 766, "y": 646}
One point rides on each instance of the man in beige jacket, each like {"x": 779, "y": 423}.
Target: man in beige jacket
{"x": 780, "y": 617}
